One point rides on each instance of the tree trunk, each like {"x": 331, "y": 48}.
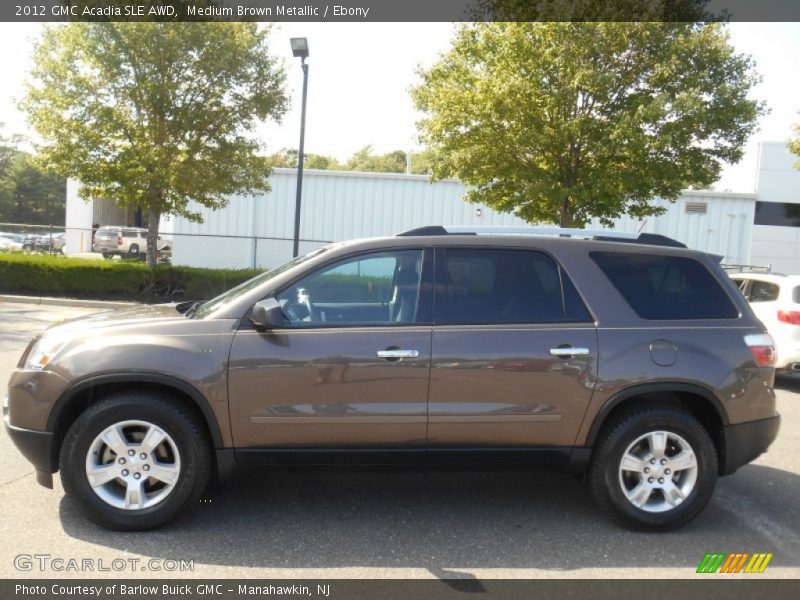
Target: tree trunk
{"x": 566, "y": 213}
{"x": 153, "y": 218}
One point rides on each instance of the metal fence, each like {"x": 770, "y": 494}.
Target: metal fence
{"x": 192, "y": 249}
{"x": 32, "y": 238}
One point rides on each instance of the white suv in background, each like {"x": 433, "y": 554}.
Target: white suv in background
{"x": 775, "y": 299}
{"x": 124, "y": 241}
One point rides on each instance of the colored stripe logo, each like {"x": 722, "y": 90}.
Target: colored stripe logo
{"x": 737, "y": 562}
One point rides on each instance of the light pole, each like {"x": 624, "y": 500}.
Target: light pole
{"x": 300, "y": 49}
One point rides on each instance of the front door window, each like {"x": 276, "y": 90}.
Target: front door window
{"x": 377, "y": 289}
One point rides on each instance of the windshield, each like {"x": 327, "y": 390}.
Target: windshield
{"x": 206, "y": 308}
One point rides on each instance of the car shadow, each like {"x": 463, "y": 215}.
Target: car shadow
{"x": 442, "y": 520}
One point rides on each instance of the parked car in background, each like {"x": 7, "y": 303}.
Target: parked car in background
{"x": 775, "y": 300}
{"x": 630, "y": 359}
{"x": 50, "y": 242}
{"x": 29, "y": 242}
{"x": 130, "y": 242}
{"x": 11, "y": 241}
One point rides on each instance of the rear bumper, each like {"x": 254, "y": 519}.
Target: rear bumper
{"x": 36, "y": 447}
{"x": 744, "y": 442}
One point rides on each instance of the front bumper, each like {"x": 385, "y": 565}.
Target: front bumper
{"x": 744, "y": 442}
{"x": 36, "y": 447}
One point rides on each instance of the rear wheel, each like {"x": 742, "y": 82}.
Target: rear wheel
{"x": 654, "y": 469}
{"x": 134, "y": 460}
{"x": 133, "y": 251}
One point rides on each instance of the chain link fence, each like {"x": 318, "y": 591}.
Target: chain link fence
{"x": 32, "y": 238}
{"x": 206, "y": 250}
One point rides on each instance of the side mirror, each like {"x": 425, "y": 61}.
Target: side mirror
{"x": 266, "y": 314}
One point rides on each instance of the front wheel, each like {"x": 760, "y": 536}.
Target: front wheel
{"x": 134, "y": 460}
{"x": 654, "y": 469}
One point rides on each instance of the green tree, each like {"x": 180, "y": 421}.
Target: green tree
{"x": 28, "y": 193}
{"x": 287, "y": 158}
{"x": 156, "y": 115}
{"x": 35, "y": 196}
{"x": 366, "y": 160}
{"x": 422, "y": 162}
{"x": 8, "y": 151}
{"x": 563, "y": 122}
{"x": 794, "y": 145}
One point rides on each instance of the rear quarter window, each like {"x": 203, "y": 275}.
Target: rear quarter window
{"x": 659, "y": 287}
{"x": 763, "y": 291}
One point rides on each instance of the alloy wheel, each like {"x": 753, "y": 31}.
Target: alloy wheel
{"x": 658, "y": 471}
{"x": 133, "y": 465}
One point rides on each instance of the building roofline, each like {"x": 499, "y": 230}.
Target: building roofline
{"x": 415, "y": 177}
{"x": 360, "y": 174}
{"x": 712, "y": 193}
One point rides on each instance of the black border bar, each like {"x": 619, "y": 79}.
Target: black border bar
{"x": 370, "y": 11}
{"x": 708, "y": 586}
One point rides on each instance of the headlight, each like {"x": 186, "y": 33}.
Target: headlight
{"x": 43, "y": 352}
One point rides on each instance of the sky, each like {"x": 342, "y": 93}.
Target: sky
{"x": 360, "y": 75}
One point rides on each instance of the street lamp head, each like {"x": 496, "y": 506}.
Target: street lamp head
{"x": 299, "y": 47}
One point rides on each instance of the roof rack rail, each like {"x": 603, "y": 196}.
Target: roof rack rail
{"x": 605, "y": 235}
{"x": 739, "y": 268}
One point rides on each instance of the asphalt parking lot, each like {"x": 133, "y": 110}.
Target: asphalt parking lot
{"x": 400, "y": 523}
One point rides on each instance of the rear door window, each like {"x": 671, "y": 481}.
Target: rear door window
{"x": 485, "y": 286}
{"x": 663, "y": 287}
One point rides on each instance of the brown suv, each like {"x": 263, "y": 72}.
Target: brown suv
{"x": 630, "y": 359}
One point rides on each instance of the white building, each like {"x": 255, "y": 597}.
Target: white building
{"x": 776, "y": 229}
{"x": 257, "y": 231}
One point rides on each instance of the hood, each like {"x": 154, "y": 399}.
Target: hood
{"x": 135, "y": 315}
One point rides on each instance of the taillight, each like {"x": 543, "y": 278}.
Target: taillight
{"x": 762, "y": 347}
{"x": 789, "y": 316}
{"x": 119, "y": 240}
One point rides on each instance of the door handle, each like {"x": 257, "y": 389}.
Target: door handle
{"x": 396, "y": 353}
{"x": 569, "y": 351}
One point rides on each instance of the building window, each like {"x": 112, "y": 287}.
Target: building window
{"x": 777, "y": 213}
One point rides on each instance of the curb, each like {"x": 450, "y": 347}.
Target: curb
{"x": 65, "y": 301}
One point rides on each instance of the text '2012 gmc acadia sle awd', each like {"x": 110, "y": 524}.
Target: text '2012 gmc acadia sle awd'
{"x": 630, "y": 359}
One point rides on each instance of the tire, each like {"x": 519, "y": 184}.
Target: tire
{"x": 27, "y": 248}
{"x": 184, "y": 456}
{"x": 133, "y": 251}
{"x": 108, "y": 255}
{"x": 672, "y": 496}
